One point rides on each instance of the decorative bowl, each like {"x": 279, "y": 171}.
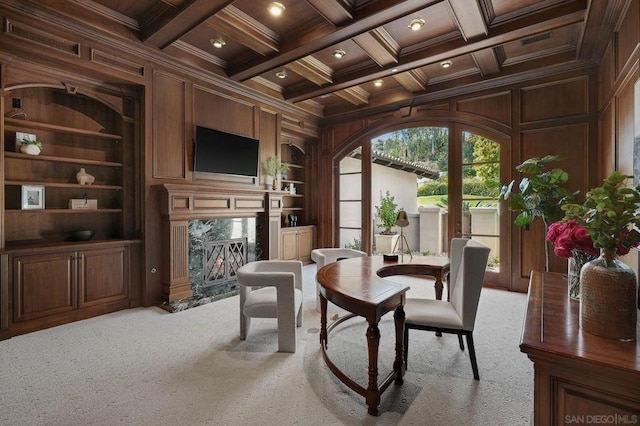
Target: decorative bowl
{"x": 82, "y": 234}
{"x": 29, "y": 149}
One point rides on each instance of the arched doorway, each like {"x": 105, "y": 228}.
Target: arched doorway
{"x": 473, "y": 153}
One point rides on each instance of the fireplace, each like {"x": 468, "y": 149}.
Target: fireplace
{"x": 217, "y": 248}
{"x": 208, "y": 233}
{"x": 221, "y": 260}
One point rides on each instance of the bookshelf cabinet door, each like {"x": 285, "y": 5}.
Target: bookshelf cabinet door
{"x": 43, "y": 285}
{"x": 289, "y": 245}
{"x": 103, "y": 276}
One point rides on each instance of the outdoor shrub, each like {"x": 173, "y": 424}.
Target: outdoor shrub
{"x": 476, "y": 187}
{"x": 433, "y": 188}
{"x": 469, "y": 187}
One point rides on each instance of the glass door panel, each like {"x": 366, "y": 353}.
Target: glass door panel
{"x": 480, "y": 171}
{"x": 412, "y": 166}
{"x": 350, "y": 201}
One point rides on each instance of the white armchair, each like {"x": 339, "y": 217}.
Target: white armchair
{"x": 324, "y": 256}
{"x": 457, "y": 316}
{"x": 278, "y": 295}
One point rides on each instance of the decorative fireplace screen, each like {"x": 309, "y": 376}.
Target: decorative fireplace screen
{"x": 222, "y": 259}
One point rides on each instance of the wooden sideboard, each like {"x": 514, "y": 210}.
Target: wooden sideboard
{"x": 579, "y": 378}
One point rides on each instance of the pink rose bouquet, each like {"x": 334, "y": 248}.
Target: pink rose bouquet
{"x": 568, "y": 237}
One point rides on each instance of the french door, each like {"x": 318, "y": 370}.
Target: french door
{"x": 474, "y": 211}
{"x": 470, "y": 161}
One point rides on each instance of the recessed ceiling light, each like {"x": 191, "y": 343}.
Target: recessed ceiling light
{"x": 339, "y": 53}
{"x": 394, "y": 69}
{"x": 281, "y": 74}
{"x": 446, "y": 64}
{"x": 416, "y": 24}
{"x": 276, "y": 8}
{"x": 377, "y": 83}
{"x": 217, "y": 43}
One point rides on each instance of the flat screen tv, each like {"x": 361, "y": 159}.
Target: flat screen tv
{"x": 221, "y": 152}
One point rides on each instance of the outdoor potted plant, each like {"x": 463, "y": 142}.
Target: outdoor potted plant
{"x": 387, "y": 212}
{"x": 273, "y": 168}
{"x": 542, "y": 194}
{"x": 30, "y": 147}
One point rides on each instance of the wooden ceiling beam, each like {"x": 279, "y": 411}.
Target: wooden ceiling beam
{"x": 307, "y": 42}
{"x": 487, "y": 61}
{"x": 546, "y": 20}
{"x": 334, "y": 11}
{"x": 467, "y": 15}
{"x": 198, "y": 53}
{"x": 356, "y": 95}
{"x": 239, "y": 26}
{"x": 268, "y": 84}
{"x": 165, "y": 24}
{"x": 413, "y": 81}
{"x": 473, "y": 83}
{"x": 313, "y": 70}
{"x": 380, "y": 46}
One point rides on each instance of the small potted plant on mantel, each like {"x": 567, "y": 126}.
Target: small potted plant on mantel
{"x": 30, "y": 146}
{"x": 273, "y": 168}
{"x": 387, "y": 212}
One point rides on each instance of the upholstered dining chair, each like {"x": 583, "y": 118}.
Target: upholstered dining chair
{"x": 272, "y": 289}
{"x": 325, "y": 256}
{"x": 458, "y": 315}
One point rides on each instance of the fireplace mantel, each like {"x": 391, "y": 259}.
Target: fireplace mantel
{"x": 182, "y": 203}
{"x": 187, "y": 202}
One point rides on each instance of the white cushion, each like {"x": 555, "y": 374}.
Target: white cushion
{"x": 263, "y": 303}
{"x": 435, "y": 313}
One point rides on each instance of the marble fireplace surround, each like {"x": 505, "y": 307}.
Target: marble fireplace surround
{"x": 217, "y": 248}
{"x": 198, "y": 205}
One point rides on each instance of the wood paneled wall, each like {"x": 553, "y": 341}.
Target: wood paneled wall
{"x": 173, "y": 99}
{"x": 591, "y": 110}
{"x": 179, "y": 105}
{"x": 169, "y": 130}
{"x": 586, "y": 117}
{"x": 618, "y": 108}
{"x": 551, "y": 115}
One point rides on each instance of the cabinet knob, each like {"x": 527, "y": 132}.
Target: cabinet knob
{"x": 154, "y": 270}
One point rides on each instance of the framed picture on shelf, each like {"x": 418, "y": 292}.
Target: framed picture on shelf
{"x": 32, "y": 197}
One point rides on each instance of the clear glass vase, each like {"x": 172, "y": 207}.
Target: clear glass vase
{"x": 575, "y": 264}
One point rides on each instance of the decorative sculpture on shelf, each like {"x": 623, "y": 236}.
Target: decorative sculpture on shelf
{"x": 30, "y": 146}
{"x": 84, "y": 178}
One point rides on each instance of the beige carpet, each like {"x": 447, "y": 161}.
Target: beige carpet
{"x": 148, "y": 367}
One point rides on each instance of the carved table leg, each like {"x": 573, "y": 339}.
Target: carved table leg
{"x": 398, "y": 364}
{"x": 323, "y": 322}
{"x": 439, "y": 286}
{"x": 373, "y": 393}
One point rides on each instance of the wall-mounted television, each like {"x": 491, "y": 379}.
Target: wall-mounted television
{"x": 221, "y": 152}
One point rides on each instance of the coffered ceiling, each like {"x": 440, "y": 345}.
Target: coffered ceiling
{"x": 486, "y": 42}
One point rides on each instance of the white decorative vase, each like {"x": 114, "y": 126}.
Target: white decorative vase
{"x": 268, "y": 180}
{"x": 30, "y": 149}
{"x": 84, "y": 178}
